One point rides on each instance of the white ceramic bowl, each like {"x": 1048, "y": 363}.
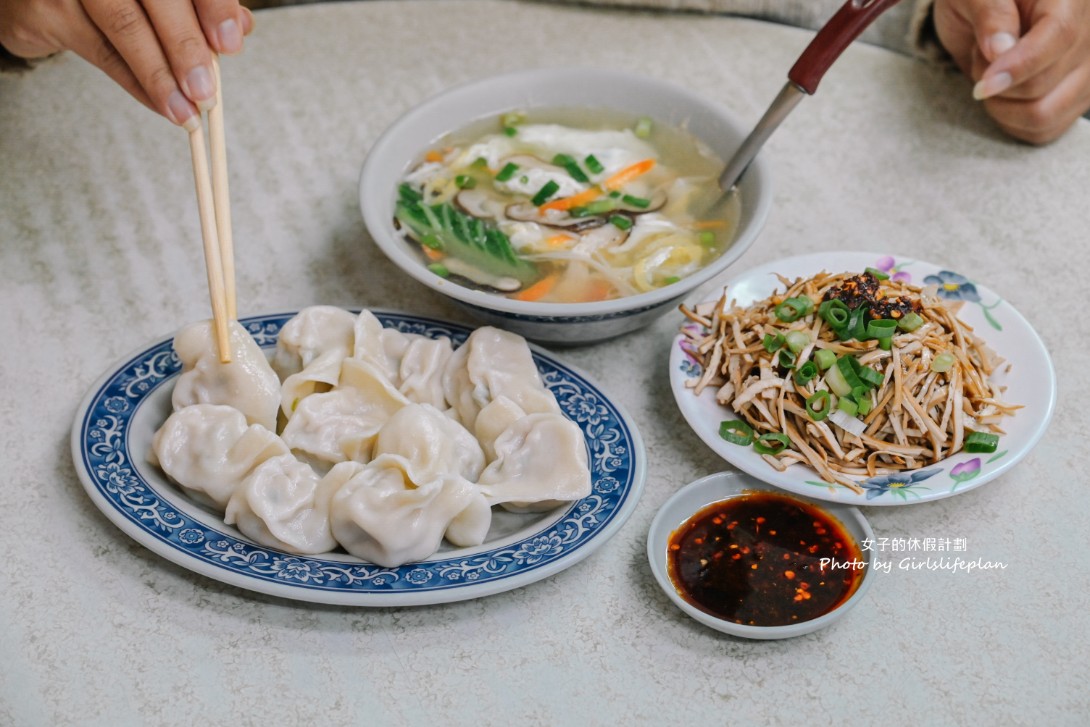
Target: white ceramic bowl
{"x": 566, "y": 323}
{"x": 725, "y": 485}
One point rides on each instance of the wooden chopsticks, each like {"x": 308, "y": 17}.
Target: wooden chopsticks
{"x": 213, "y": 203}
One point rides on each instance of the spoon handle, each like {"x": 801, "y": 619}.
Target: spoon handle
{"x": 836, "y": 35}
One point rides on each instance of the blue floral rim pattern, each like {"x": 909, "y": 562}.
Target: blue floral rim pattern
{"x": 102, "y": 446}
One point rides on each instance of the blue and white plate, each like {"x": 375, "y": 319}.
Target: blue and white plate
{"x": 1030, "y": 381}
{"x": 112, "y": 435}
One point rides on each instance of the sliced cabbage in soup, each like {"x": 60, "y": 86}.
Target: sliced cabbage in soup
{"x": 567, "y": 206}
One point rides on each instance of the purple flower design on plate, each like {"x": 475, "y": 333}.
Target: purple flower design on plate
{"x": 965, "y": 471}
{"x": 889, "y": 266}
{"x": 898, "y": 483}
{"x": 953, "y": 286}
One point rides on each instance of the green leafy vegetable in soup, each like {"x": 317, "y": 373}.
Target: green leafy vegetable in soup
{"x": 565, "y": 206}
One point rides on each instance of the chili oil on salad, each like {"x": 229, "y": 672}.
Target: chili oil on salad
{"x": 567, "y": 206}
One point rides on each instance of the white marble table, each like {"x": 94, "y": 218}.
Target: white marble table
{"x": 100, "y": 252}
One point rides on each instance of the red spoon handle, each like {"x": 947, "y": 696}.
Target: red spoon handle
{"x": 836, "y": 35}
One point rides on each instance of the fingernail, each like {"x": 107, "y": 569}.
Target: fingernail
{"x": 1001, "y": 43}
{"x": 988, "y": 87}
{"x": 230, "y": 36}
{"x": 181, "y": 111}
{"x": 201, "y": 87}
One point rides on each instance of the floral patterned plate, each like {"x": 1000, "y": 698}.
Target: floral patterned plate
{"x": 1031, "y": 382}
{"x": 112, "y": 436}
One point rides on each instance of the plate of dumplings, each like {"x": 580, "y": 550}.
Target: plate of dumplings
{"x": 363, "y": 458}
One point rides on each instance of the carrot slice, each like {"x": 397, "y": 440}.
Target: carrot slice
{"x": 598, "y": 290}
{"x": 629, "y": 173}
{"x": 557, "y": 240}
{"x": 709, "y": 225}
{"x": 539, "y": 289}
{"x": 433, "y": 156}
{"x": 431, "y": 253}
{"x": 576, "y": 200}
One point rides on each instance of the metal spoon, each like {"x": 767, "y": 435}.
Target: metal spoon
{"x": 836, "y": 35}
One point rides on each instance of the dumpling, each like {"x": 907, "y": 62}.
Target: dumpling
{"x": 209, "y": 450}
{"x": 541, "y": 462}
{"x": 493, "y": 363}
{"x": 310, "y": 333}
{"x": 247, "y": 383}
{"x": 421, "y": 371}
{"x": 381, "y": 347}
{"x": 494, "y": 420}
{"x": 338, "y": 426}
{"x": 432, "y": 443}
{"x": 383, "y": 516}
{"x": 284, "y": 504}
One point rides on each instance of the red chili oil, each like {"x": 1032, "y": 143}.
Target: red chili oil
{"x": 757, "y": 560}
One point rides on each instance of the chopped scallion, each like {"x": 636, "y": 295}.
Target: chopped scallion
{"x": 569, "y": 163}
{"x": 824, "y": 358}
{"x": 881, "y": 328}
{"x": 910, "y": 322}
{"x": 736, "y": 431}
{"x": 547, "y": 190}
{"x": 869, "y": 376}
{"x": 621, "y": 222}
{"x": 671, "y": 280}
{"x": 507, "y": 172}
{"x": 640, "y": 202}
{"x": 510, "y": 130}
{"x": 706, "y": 238}
{"x": 847, "y": 406}
{"x": 877, "y": 273}
{"x": 773, "y": 342}
{"x": 600, "y": 206}
{"x": 786, "y": 359}
{"x": 464, "y": 181}
{"x": 817, "y": 406}
{"x": 643, "y": 128}
{"x": 981, "y": 442}
{"x": 943, "y": 362}
{"x": 593, "y": 164}
{"x": 797, "y": 340}
{"x": 805, "y": 374}
{"x": 439, "y": 269}
{"x": 834, "y": 312}
{"x": 792, "y": 309}
{"x": 771, "y": 443}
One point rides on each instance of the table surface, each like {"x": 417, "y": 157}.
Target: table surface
{"x": 100, "y": 253}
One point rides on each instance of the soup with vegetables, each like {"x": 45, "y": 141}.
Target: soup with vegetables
{"x": 566, "y": 206}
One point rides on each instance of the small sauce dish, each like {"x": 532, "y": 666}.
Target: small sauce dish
{"x": 751, "y": 560}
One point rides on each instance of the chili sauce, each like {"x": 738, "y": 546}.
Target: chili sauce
{"x": 764, "y": 559}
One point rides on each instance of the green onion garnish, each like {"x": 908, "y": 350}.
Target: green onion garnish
{"x": 910, "y": 322}
{"x": 706, "y": 238}
{"x": 857, "y": 324}
{"x": 510, "y": 130}
{"x": 579, "y": 212}
{"x": 439, "y": 269}
{"x": 847, "y": 406}
{"x": 885, "y": 344}
{"x": 859, "y": 393}
{"x": 771, "y": 443}
{"x": 641, "y": 202}
{"x": 547, "y": 190}
{"x": 805, "y": 374}
{"x": 881, "y": 328}
{"x": 875, "y": 272}
{"x": 736, "y": 431}
{"x": 512, "y": 118}
{"x": 773, "y": 342}
{"x": 797, "y": 340}
{"x": 869, "y": 376}
{"x": 844, "y": 366}
{"x": 643, "y": 128}
{"x": 615, "y": 194}
{"x": 464, "y": 181}
{"x": 593, "y": 164}
{"x": 671, "y": 280}
{"x": 863, "y": 405}
{"x": 507, "y": 172}
{"x": 600, "y": 206}
{"x": 817, "y": 406}
{"x": 792, "y": 309}
{"x": 943, "y": 362}
{"x": 834, "y": 312}
{"x": 621, "y": 222}
{"x": 824, "y": 358}
{"x": 983, "y": 442}
{"x": 563, "y": 160}
{"x": 786, "y": 359}
{"x": 479, "y": 163}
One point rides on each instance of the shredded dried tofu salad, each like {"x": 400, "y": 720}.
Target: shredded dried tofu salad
{"x": 855, "y": 375}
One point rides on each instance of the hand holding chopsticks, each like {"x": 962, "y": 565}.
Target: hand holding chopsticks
{"x": 213, "y": 203}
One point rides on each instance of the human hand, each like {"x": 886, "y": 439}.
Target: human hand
{"x": 1030, "y": 60}
{"x": 159, "y": 51}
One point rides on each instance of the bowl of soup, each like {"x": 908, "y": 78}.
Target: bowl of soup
{"x": 568, "y": 205}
